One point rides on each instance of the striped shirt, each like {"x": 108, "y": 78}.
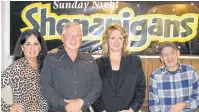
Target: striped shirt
{"x": 167, "y": 89}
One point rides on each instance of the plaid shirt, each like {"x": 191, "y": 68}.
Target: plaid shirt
{"x": 167, "y": 89}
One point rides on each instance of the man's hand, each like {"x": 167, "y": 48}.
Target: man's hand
{"x": 130, "y": 110}
{"x": 17, "y": 108}
{"x": 53, "y": 51}
{"x": 178, "y": 107}
{"x": 74, "y": 105}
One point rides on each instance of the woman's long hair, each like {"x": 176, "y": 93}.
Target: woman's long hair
{"x": 18, "y": 53}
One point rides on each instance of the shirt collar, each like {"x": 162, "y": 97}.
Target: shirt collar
{"x": 165, "y": 72}
{"x": 79, "y": 54}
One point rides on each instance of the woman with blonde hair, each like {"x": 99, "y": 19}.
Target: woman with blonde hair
{"x": 121, "y": 72}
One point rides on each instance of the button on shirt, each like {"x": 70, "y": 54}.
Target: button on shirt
{"x": 64, "y": 79}
{"x": 168, "y": 89}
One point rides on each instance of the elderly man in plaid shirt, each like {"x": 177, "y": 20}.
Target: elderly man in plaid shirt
{"x": 173, "y": 87}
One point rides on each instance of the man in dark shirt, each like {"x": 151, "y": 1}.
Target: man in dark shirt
{"x": 70, "y": 79}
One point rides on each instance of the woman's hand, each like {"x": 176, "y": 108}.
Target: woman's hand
{"x": 17, "y": 108}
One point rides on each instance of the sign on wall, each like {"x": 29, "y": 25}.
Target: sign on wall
{"x": 147, "y": 23}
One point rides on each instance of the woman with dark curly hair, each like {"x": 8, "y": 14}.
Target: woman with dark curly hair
{"x": 23, "y": 75}
{"x": 123, "y": 80}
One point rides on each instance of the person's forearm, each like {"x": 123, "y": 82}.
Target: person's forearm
{"x": 192, "y": 104}
{"x": 91, "y": 97}
{"x": 53, "y": 97}
{"x": 193, "y": 101}
{"x": 94, "y": 92}
{"x": 4, "y": 106}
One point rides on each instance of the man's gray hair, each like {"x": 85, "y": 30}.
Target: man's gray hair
{"x": 69, "y": 24}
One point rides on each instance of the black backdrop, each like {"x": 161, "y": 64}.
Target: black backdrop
{"x": 190, "y": 48}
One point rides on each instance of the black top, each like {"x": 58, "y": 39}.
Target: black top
{"x": 130, "y": 89}
{"x": 61, "y": 78}
{"x": 115, "y": 77}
